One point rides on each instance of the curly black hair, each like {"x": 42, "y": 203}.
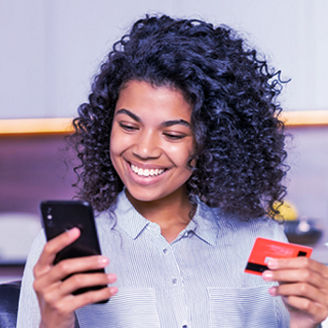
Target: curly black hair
{"x": 239, "y": 137}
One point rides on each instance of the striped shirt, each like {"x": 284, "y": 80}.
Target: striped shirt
{"x": 196, "y": 281}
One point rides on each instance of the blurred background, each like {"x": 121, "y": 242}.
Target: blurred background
{"x": 51, "y": 49}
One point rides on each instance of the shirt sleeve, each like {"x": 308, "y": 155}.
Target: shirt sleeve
{"x": 28, "y": 307}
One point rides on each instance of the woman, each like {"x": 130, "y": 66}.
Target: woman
{"x": 182, "y": 156}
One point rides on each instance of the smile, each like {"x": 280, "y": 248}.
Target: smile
{"x": 146, "y": 172}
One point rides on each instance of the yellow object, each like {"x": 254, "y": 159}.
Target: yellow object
{"x": 59, "y": 125}
{"x": 287, "y": 211}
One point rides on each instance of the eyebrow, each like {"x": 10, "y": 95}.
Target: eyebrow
{"x": 164, "y": 124}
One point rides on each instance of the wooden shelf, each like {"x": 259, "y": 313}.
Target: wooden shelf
{"x": 33, "y": 126}
{"x": 36, "y": 126}
{"x": 306, "y": 118}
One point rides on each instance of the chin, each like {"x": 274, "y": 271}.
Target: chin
{"x": 144, "y": 195}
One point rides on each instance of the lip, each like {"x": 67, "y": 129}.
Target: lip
{"x": 143, "y": 180}
{"x": 147, "y": 166}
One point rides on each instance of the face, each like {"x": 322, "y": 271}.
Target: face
{"x": 152, "y": 141}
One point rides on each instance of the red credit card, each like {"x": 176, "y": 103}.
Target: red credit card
{"x": 264, "y": 249}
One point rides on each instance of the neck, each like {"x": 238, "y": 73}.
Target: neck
{"x": 171, "y": 213}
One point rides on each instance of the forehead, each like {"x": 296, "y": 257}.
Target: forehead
{"x": 145, "y": 100}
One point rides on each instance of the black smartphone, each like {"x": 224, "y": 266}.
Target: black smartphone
{"x": 61, "y": 215}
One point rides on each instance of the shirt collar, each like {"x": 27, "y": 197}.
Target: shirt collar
{"x": 128, "y": 218}
{"x": 204, "y": 224}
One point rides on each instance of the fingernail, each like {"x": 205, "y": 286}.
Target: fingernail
{"x": 74, "y": 232}
{"x": 267, "y": 275}
{"x": 111, "y": 277}
{"x": 113, "y": 290}
{"x": 273, "y": 291}
{"x": 273, "y": 264}
{"x": 103, "y": 261}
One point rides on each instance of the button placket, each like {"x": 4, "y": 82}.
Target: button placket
{"x": 174, "y": 279}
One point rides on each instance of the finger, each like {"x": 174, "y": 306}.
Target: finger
{"x": 53, "y": 294}
{"x": 315, "y": 310}
{"x": 78, "y": 281}
{"x": 52, "y": 247}
{"x": 300, "y": 262}
{"x": 73, "y": 302}
{"x": 296, "y": 275}
{"x": 70, "y": 266}
{"x": 299, "y": 289}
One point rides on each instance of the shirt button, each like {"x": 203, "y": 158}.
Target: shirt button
{"x": 174, "y": 281}
{"x": 164, "y": 250}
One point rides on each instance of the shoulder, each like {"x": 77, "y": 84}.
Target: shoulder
{"x": 37, "y": 247}
{"x": 235, "y": 229}
{"x": 28, "y": 310}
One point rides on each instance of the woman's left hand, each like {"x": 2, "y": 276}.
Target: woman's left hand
{"x": 303, "y": 284}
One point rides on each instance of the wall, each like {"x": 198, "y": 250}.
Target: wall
{"x": 53, "y": 48}
{"x": 307, "y": 180}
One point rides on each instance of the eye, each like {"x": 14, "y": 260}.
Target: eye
{"x": 128, "y": 127}
{"x": 172, "y": 136}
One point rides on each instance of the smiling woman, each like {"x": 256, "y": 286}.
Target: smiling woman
{"x": 182, "y": 153}
{"x": 238, "y": 136}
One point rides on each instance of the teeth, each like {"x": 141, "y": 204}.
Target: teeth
{"x": 146, "y": 172}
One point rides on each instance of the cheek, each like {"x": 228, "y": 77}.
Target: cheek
{"x": 117, "y": 142}
{"x": 181, "y": 154}
{"x": 114, "y": 145}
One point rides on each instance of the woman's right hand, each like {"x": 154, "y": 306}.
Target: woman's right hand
{"x": 56, "y": 301}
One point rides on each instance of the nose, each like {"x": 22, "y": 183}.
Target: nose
{"x": 147, "y": 146}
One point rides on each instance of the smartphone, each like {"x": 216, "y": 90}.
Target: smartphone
{"x": 59, "y": 216}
